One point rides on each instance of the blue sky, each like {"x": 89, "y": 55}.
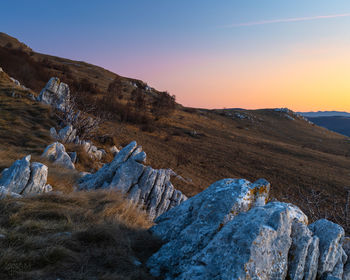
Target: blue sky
{"x": 181, "y": 46}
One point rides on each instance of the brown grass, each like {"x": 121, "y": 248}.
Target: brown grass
{"x": 85, "y": 235}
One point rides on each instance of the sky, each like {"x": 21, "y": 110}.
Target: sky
{"x": 209, "y": 53}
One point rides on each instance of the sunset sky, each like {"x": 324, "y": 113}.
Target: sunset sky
{"x": 212, "y": 54}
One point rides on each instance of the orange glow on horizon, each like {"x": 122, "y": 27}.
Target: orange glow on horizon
{"x": 303, "y": 80}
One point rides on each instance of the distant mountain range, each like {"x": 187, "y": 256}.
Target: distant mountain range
{"x": 332, "y": 120}
{"x": 325, "y": 114}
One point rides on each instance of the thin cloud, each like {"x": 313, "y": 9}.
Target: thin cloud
{"x": 253, "y": 23}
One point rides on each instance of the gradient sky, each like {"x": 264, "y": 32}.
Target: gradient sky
{"x": 209, "y": 53}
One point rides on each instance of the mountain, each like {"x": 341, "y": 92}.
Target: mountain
{"x": 333, "y": 120}
{"x": 338, "y": 124}
{"x": 325, "y": 114}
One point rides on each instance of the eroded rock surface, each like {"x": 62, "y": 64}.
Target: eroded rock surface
{"x": 56, "y": 153}
{"x": 24, "y": 178}
{"x": 228, "y": 232}
{"x": 56, "y": 94}
{"x": 141, "y": 184}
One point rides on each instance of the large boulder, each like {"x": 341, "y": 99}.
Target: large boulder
{"x": 24, "y": 178}
{"x": 228, "y": 232}
{"x": 142, "y": 185}
{"x": 56, "y": 153}
{"x": 56, "y": 94}
{"x": 253, "y": 245}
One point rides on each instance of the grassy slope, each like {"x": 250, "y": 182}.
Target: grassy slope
{"x": 293, "y": 155}
{"x": 105, "y": 233}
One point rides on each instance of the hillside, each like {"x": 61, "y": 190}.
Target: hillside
{"x": 206, "y": 145}
{"x": 50, "y": 234}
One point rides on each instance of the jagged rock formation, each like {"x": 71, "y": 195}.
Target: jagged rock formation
{"x": 56, "y": 94}
{"x": 68, "y": 134}
{"x": 56, "y": 153}
{"x": 24, "y": 178}
{"x": 228, "y": 232}
{"x": 141, "y": 184}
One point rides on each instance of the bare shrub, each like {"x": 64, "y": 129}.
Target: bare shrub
{"x": 163, "y": 105}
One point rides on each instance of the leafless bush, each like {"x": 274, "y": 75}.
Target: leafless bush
{"x": 85, "y": 125}
{"x": 320, "y": 205}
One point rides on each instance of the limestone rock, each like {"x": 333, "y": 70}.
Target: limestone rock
{"x": 346, "y": 247}
{"x": 56, "y": 153}
{"x": 24, "y": 178}
{"x": 53, "y": 134}
{"x": 67, "y": 134}
{"x": 253, "y": 245}
{"x": 301, "y": 241}
{"x": 189, "y": 227}
{"x": 16, "y": 178}
{"x": 331, "y": 251}
{"x": 311, "y": 262}
{"x": 5, "y": 193}
{"x": 37, "y": 180}
{"x": 55, "y": 94}
{"x": 141, "y": 184}
{"x": 114, "y": 150}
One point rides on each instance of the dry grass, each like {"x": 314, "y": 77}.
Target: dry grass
{"x": 85, "y": 235}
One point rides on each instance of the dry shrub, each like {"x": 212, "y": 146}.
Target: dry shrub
{"x": 83, "y": 235}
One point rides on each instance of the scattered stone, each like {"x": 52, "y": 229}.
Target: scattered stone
{"x": 56, "y": 153}
{"x": 24, "y": 178}
{"x": 142, "y": 185}
{"x": 37, "y": 180}
{"x": 56, "y": 94}
{"x": 114, "y": 150}
{"x": 53, "y": 133}
{"x": 67, "y": 134}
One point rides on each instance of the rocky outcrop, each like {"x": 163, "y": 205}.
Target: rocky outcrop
{"x": 68, "y": 134}
{"x": 332, "y": 255}
{"x": 228, "y": 232}
{"x": 141, "y": 184}
{"x": 24, "y": 178}
{"x": 56, "y": 94}
{"x": 56, "y": 153}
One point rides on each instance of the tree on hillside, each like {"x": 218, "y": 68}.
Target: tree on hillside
{"x": 115, "y": 88}
{"x": 163, "y": 105}
{"x": 139, "y": 98}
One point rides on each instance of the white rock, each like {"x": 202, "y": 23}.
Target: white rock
{"x": 16, "y": 178}
{"x": 190, "y": 226}
{"x": 24, "y": 178}
{"x": 114, "y": 150}
{"x": 5, "y": 193}
{"x": 142, "y": 185}
{"x": 331, "y": 251}
{"x": 56, "y": 153}
{"x": 55, "y": 94}
{"x": 67, "y": 134}
{"x": 53, "y": 134}
{"x": 38, "y": 179}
